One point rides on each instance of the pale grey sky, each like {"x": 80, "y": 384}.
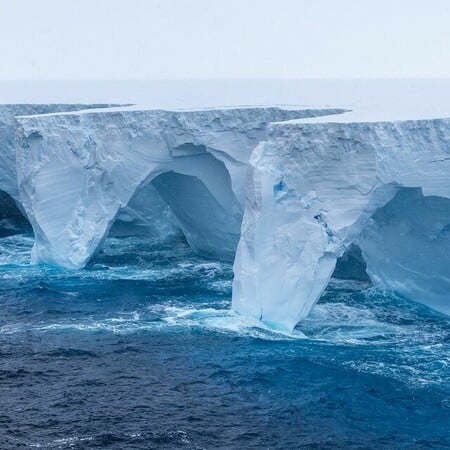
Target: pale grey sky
{"x": 176, "y": 39}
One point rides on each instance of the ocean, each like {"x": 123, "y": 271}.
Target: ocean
{"x": 140, "y": 350}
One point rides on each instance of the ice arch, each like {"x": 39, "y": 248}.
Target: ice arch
{"x": 406, "y": 245}
{"x": 78, "y": 172}
{"x": 197, "y": 189}
{"x": 211, "y": 224}
{"x": 314, "y": 187}
{"x": 194, "y": 195}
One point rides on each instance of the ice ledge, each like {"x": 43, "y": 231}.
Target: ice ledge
{"x": 313, "y": 188}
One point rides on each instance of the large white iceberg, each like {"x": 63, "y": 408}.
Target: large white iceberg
{"x": 295, "y": 193}
{"x": 316, "y": 186}
{"x": 79, "y": 172}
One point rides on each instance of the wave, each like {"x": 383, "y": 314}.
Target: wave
{"x": 161, "y": 289}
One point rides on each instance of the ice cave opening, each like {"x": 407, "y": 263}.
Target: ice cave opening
{"x": 8, "y": 207}
{"x": 11, "y": 217}
{"x": 351, "y": 265}
{"x": 192, "y": 195}
{"x": 206, "y": 223}
{"x": 404, "y": 247}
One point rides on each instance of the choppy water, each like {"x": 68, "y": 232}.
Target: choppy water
{"x": 141, "y": 351}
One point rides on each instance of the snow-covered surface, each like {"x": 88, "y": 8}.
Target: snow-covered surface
{"x": 312, "y": 189}
{"x": 78, "y": 172}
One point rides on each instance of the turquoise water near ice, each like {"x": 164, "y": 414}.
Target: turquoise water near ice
{"x": 141, "y": 350}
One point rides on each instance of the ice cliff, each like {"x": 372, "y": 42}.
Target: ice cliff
{"x": 8, "y": 177}
{"x": 316, "y": 186}
{"x": 80, "y": 172}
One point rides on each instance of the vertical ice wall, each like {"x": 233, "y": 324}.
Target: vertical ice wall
{"x": 8, "y": 177}
{"x": 312, "y": 188}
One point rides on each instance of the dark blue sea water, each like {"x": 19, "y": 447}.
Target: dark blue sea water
{"x": 140, "y": 351}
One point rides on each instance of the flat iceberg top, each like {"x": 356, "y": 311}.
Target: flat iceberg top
{"x": 381, "y": 113}
{"x": 369, "y": 100}
{"x": 408, "y": 97}
{"x": 225, "y": 110}
{"x": 370, "y": 109}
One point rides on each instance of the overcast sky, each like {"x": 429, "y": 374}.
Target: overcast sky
{"x": 176, "y": 39}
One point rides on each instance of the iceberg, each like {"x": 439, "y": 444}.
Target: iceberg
{"x": 283, "y": 192}
{"x": 80, "y": 172}
{"x": 317, "y": 186}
